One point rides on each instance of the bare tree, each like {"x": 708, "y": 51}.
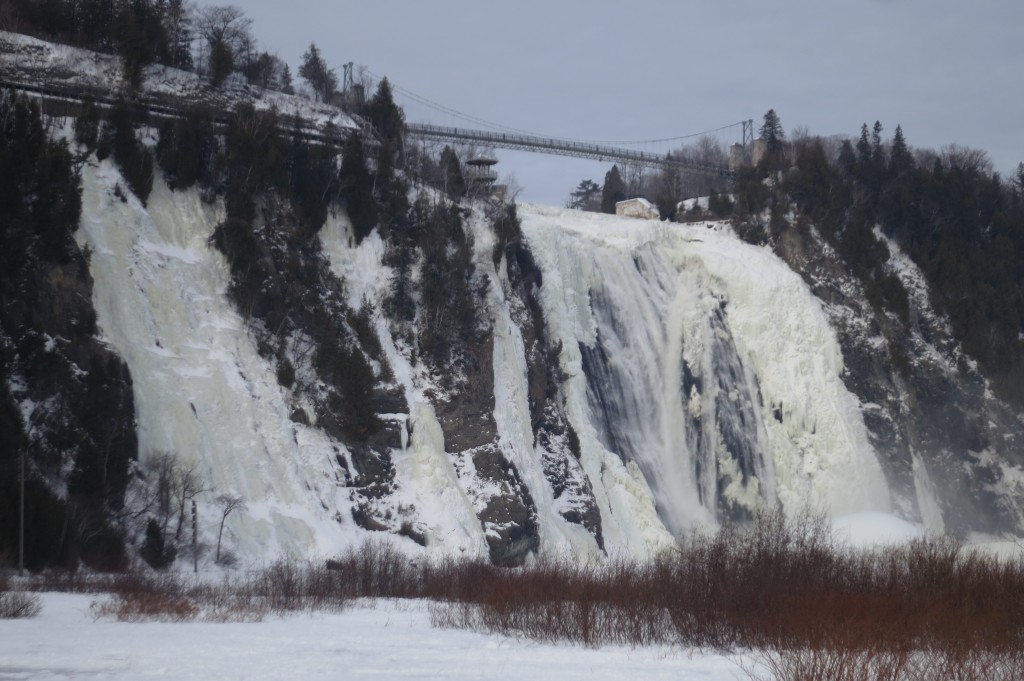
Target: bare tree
{"x": 172, "y": 485}
{"x": 161, "y": 469}
{"x": 228, "y": 504}
{"x": 967, "y": 159}
{"x": 225, "y": 32}
{"x": 187, "y": 486}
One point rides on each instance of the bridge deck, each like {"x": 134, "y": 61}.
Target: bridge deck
{"x": 560, "y": 147}
{"x": 165, "y": 107}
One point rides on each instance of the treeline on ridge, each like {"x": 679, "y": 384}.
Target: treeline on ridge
{"x": 950, "y": 212}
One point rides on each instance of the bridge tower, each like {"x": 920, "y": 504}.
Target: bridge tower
{"x": 352, "y": 93}
{"x": 748, "y": 136}
{"x": 743, "y": 154}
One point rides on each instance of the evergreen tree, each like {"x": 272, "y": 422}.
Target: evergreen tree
{"x": 186, "y": 149}
{"x": 613, "y": 191}
{"x": 356, "y": 185}
{"x": 87, "y": 125}
{"x": 385, "y": 115}
{"x": 391, "y": 192}
{"x": 225, "y": 31}
{"x": 877, "y": 149}
{"x": 133, "y": 45}
{"x": 772, "y": 133}
{"x": 900, "y": 158}
{"x": 222, "y": 62}
{"x": 134, "y": 158}
{"x": 585, "y": 196}
{"x": 451, "y": 172}
{"x": 847, "y": 158}
{"x": 178, "y": 27}
{"x": 668, "y": 194}
{"x": 863, "y": 145}
{"x": 155, "y": 550}
{"x": 284, "y": 82}
{"x": 314, "y": 70}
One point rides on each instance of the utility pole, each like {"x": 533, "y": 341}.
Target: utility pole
{"x": 21, "y": 520}
{"x": 195, "y": 538}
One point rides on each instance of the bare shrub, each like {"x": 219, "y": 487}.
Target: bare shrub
{"x": 17, "y": 603}
{"x": 813, "y": 610}
{"x": 142, "y": 597}
{"x": 780, "y": 587}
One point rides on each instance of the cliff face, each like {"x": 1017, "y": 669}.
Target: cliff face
{"x": 622, "y": 383}
{"x": 951, "y": 450}
{"x": 352, "y": 358}
{"x": 66, "y": 407}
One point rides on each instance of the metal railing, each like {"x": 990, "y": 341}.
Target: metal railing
{"x": 560, "y": 147}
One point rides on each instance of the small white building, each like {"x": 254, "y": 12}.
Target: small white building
{"x": 637, "y": 208}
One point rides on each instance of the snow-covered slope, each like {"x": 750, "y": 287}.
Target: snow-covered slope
{"x": 28, "y": 61}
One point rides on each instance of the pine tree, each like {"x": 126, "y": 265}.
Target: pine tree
{"x": 847, "y": 158}
{"x": 133, "y": 45}
{"x": 357, "y": 188}
{"x": 285, "y": 80}
{"x": 222, "y": 62}
{"x": 155, "y": 550}
{"x": 451, "y": 172}
{"x": 584, "y": 197}
{"x": 613, "y": 191}
{"x": 314, "y": 70}
{"x": 385, "y": 115}
{"x": 863, "y": 145}
{"x": 900, "y": 158}
{"x": 876, "y": 140}
{"x": 772, "y": 133}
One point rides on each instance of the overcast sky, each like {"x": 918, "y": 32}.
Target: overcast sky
{"x": 948, "y": 71}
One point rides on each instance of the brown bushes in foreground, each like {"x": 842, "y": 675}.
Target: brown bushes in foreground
{"x": 805, "y": 608}
{"x": 809, "y": 609}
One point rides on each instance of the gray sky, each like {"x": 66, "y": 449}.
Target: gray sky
{"x": 947, "y": 71}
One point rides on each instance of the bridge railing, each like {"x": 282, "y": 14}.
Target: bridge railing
{"x": 69, "y": 99}
{"x": 562, "y": 147}
{"x": 167, "y": 107}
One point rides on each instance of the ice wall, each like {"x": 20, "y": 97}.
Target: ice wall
{"x": 703, "y": 381}
{"x": 202, "y": 392}
{"x": 706, "y": 364}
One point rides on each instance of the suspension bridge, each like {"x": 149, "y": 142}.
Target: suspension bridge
{"x": 69, "y": 98}
{"x": 503, "y": 137}
{"x": 561, "y": 147}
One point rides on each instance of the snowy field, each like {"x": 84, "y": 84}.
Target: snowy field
{"x": 377, "y": 640}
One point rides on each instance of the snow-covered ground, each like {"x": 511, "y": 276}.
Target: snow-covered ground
{"x": 377, "y": 640}
{"x": 29, "y": 61}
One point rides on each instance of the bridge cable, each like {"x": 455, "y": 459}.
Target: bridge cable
{"x": 497, "y": 126}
